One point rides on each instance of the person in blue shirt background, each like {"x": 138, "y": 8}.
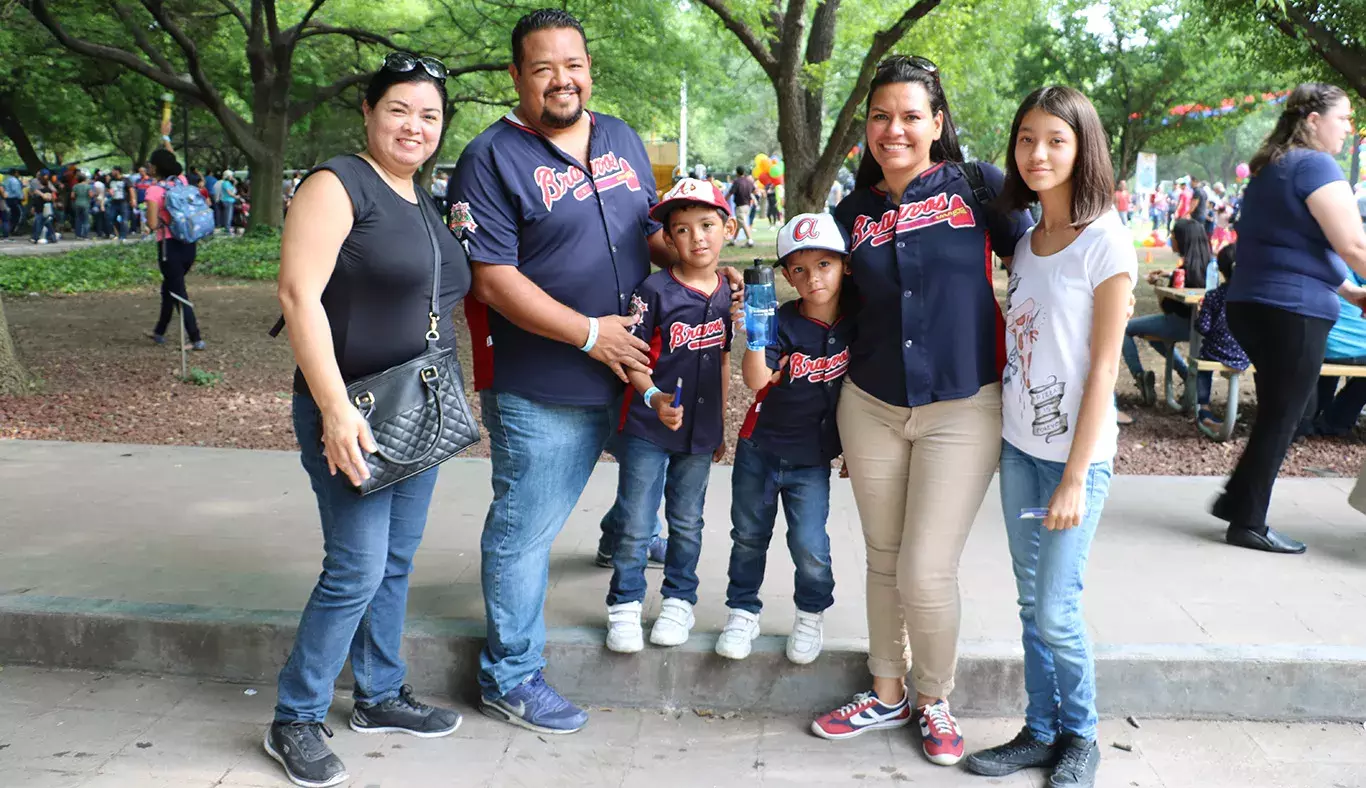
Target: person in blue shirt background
{"x": 670, "y": 438}
{"x": 920, "y": 411}
{"x": 789, "y": 439}
{"x": 1336, "y": 412}
{"x": 1297, "y": 226}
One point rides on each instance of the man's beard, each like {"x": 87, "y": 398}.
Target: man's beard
{"x": 554, "y": 120}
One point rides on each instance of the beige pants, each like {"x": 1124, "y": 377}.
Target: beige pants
{"x": 919, "y": 476}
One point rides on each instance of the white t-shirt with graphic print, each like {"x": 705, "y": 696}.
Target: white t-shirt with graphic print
{"x": 1048, "y": 338}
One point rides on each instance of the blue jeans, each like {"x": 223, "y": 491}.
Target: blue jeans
{"x": 542, "y": 455}
{"x": 758, "y": 479}
{"x": 44, "y": 225}
{"x": 613, "y": 523}
{"x": 225, "y": 210}
{"x": 649, "y": 473}
{"x": 1173, "y": 328}
{"x": 81, "y": 224}
{"x": 1060, "y": 669}
{"x": 118, "y": 215}
{"x": 357, "y": 607}
{"x": 16, "y": 214}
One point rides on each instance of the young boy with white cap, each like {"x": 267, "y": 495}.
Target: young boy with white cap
{"x": 789, "y": 439}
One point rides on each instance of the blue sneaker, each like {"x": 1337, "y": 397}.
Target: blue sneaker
{"x": 659, "y": 547}
{"x": 536, "y": 706}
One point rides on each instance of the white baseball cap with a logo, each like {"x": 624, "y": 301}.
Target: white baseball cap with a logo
{"x": 811, "y": 231}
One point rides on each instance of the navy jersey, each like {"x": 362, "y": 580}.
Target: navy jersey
{"x": 795, "y": 417}
{"x": 579, "y": 233}
{"x": 688, "y": 330}
{"x": 929, "y": 327}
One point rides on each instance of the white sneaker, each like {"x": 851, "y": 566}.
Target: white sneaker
{"x": 804, "y": 644}
{"x": 673, "y": 625}
{"x": 42, "y": 240}
{"x": 736, "y": 640}
{"x": 625, "y": 635}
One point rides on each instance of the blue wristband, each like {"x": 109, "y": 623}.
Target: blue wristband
{"x": 649, "y": 396}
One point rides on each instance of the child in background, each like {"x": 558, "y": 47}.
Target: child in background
{"x": 789, "y": 439}
{"x": 1071, "y": 280}
{"x": 1223, "y": 234}
{"x": 670, "y": 438}
{"x": 1219, "y": 344}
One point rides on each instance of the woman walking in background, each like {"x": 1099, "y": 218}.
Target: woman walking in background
{"x": 1297, "y": 226}
{"x": 174, "y": 257}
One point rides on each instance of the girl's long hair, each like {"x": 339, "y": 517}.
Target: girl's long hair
{"x": 1190, "y": 240}
{"x": 1093, "y": 175}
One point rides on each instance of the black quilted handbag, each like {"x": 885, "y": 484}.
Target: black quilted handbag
{"x": 417, "y": 410}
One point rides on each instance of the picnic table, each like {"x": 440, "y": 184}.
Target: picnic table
{"x": 1191, "y": 297}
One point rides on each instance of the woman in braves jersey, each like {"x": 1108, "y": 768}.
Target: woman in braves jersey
{"x": 920, "y": 413}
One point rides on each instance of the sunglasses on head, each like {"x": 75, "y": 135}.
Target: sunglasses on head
{"x": 404, "y": 62}
{"x": 914, "y": 61}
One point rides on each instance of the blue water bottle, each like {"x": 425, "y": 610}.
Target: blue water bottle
{"x": 1211, "y": 275}
{"x": 761, "y": 307}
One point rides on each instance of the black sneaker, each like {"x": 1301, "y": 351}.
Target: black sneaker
{"x": 403, "y": 714}
{"x": 1077, "y": 764}
{"x": 300, "y": 748}
{"x": 1024, "y": 751}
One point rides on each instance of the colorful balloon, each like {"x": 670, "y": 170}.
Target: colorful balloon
{"x": 777, "y": 169}
{"x": 1243, "y": 171}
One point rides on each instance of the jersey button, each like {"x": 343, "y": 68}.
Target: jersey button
{"x": 700, "y": 400}
{"x": 830, "y": 341}
{"x": 901, "y": 244}
{"x": 906, "y": 294}
{"x": 907, "y": 343}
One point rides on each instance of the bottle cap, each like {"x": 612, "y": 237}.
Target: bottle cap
{"x": 759, "y": 275}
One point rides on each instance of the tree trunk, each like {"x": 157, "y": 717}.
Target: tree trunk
{"x": 13, "y": 378}
{"x": 267, "y": 171}
{"x": 801, "y": 151}
{"x": 9, "y": 123}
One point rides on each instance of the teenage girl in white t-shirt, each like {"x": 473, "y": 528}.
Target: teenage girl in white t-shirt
{"x": 1068, "y": 302}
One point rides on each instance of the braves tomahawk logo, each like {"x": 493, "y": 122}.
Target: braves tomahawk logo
{"x": 697, "y": 337}
{"x": 609, "y": 171}
{"x": 818, "y": 370}
{"x": 910, "y": 216}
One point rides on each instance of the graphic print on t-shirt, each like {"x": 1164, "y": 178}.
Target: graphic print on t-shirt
{"x": 609, "y": 171}
{"x": 1023, "y": 325}
{"x": 939, "y": 209}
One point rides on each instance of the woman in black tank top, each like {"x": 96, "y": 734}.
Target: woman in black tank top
{"x": 355, "y": 283}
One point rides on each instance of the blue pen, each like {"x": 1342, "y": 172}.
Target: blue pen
{"x": 678, "y": 393}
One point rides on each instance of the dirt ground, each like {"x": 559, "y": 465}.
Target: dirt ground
{"x": 102, "y": 380}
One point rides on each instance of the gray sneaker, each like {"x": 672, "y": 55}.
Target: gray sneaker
{"x": 404, "y": 714}
{"x": 300, "y": 748}
{"x": 1077, "y": 765}
{"x": 1025, "y": 751}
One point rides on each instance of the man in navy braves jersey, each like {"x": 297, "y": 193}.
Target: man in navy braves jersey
{"x": 555, "y": 204}
{"x": 669, "y": 439}
{"x": 789, "y": 439}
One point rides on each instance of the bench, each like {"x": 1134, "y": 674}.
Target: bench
{"x": 1225, "y": 431}
{"x": 1168, "y": 385}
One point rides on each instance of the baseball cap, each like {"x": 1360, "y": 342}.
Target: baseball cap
{"x": 689, "y": 190}
{"x": 811, "y": 231}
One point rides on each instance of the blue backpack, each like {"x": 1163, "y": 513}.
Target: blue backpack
{"x": 191, "y": 216}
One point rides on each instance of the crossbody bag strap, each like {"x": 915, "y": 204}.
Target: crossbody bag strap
{"x": 434, "y": 315}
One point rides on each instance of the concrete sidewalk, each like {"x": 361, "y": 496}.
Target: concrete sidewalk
{"x": 190, "y": 560}
{"x": 61, "y": 729}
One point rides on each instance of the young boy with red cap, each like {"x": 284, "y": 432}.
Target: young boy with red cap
{"x": 670, "y": 437}
{"x": 789, "y": 439}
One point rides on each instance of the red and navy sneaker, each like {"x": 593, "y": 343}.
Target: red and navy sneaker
{"x": 864, "y": 713}
{"x": 942, "y": 741}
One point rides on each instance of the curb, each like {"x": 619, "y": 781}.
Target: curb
{"x": 1156, "y": 681}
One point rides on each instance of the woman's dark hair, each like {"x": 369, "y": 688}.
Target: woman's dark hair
{"x": 1292, "y": 129}
{"x": 1093, "y": 175}
{"x": 385, "y": 78}
{"x": 543, "y": 19}
{"x": 1191, "y": 242}
{"x": 165, "y": 163}
{"x": 1227, "y": 257}
{"x": 901, "y": 70}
